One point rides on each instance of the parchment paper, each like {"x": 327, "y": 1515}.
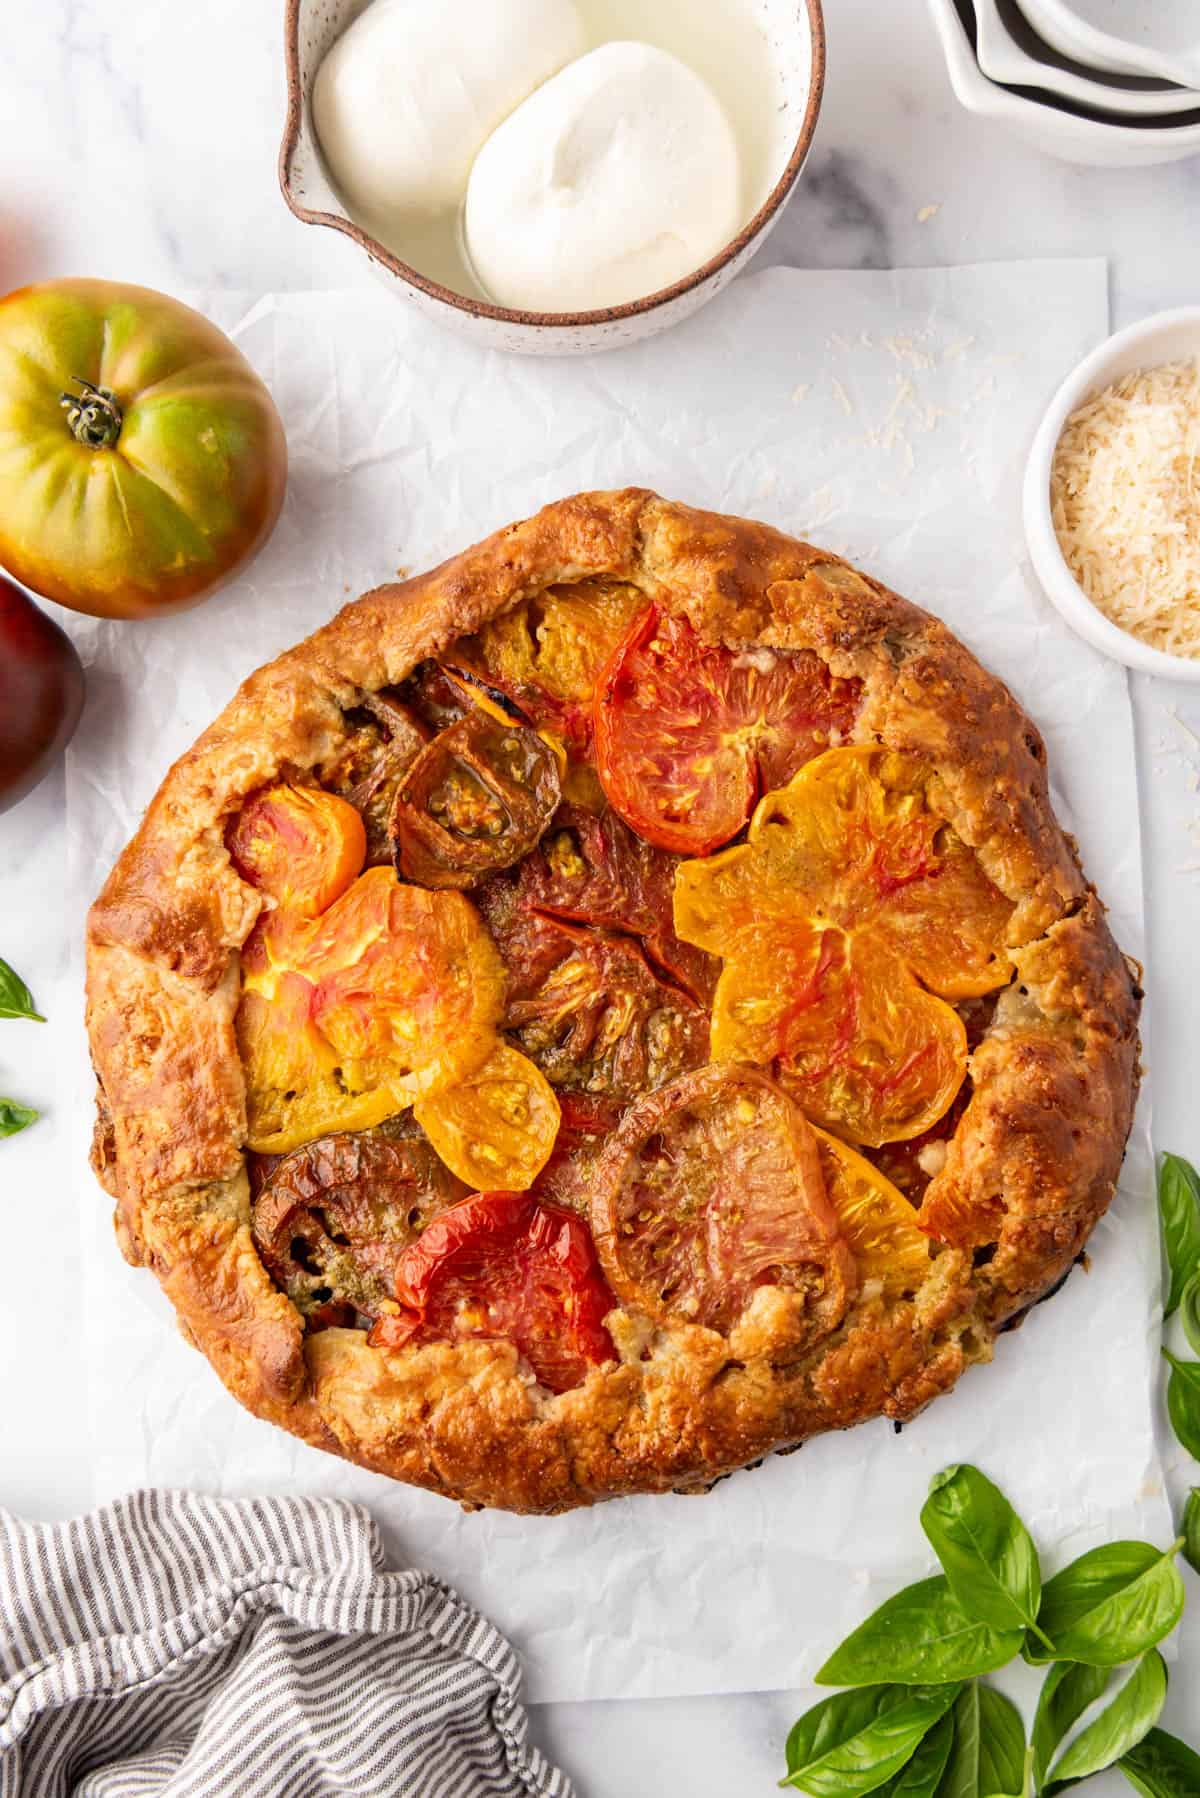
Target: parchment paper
{"x": 885, "y": 415}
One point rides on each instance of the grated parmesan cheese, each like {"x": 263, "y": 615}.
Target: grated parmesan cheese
{"x": 1125, "y": 501}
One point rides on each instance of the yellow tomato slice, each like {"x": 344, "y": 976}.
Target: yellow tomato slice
{"x": 392, "y": 993}
{"x": 295, "y": 1089}
{"x": 860, "y": 1046}
{"x": 845, "y": 920}
{"x": 560, "y": 640}
{"x": 876, "y": 1220}
{"x": 496, "y": 1128}
{"x": 853, "y": 836}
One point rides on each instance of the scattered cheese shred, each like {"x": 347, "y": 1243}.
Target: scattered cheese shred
{"x": 1125, "y": 500}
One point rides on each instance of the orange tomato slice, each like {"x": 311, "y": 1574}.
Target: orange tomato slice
{"x": 390, "y": 994}
{"x": 847, "y": 918}
{"x": 300, "y": 844}
{"x": 496, "y": 1128}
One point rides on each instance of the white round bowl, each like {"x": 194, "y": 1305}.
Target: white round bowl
{"x": 1165, "y": 337}
{"x": 1137, "y": 37}
{"x": 1095, "y": 143}
{"x": 796, "y": 33}
{"x": 1010, "y": 51}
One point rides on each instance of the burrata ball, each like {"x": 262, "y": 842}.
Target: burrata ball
{"x": 412, "y": 88}
{"x": 616, "y": 178}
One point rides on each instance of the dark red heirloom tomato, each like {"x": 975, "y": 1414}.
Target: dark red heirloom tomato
{"x": 710, "y": 1187}
{"x": 330, "y": 1219}
{"x": 503, "y": 1266}
{"x": 41, "y": 693}
{"x": 475, "y": 799}
{"x": 596, "y": 871}
{"x": 689, "y": 734}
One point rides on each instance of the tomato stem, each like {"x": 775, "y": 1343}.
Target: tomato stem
{"x": 94, "y": 415}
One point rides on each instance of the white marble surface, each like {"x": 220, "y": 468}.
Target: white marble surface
{"x": 140, "y": 143}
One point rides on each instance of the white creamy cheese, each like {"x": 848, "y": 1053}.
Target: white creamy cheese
{"x": 614, "y": 179}
{"x": 411, "y": 90}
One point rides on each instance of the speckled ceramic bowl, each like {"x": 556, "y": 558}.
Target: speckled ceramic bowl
{"x": 796, "y": 33}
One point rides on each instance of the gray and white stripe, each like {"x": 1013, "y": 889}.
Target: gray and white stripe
{"x": 193, "y": 1647}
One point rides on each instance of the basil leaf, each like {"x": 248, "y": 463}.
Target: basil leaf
{"x": 1119, "y": 1727}
{"x": 854, "y": 1742}
{"x": 987, "y": 1552}
{"x": 922, "y": 1636}
{"x": 1183, "y": 1402}
{"x": 1161, "y": 1766}
{"x": 1189, "y": 1312}
{"x": 14, "y": 1117}
{"x": 1110, "y": 1605}
{"x": 1190, "y": 1526}
{"x": 920, "y": 1778}
{"x": 1179, "y": 1209}
{"x": 989, "y": 1746}
{"x": 16, "y": 1000}
{"x": 1066, "y": 1693}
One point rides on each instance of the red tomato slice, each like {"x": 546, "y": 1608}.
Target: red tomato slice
{"x": 501, "y": 1265}
{"x": 711, "y": 1187}
{"x": 594, "y": 870}
{"x": 688, "y": 733}
{"x": 586, "y": 1121}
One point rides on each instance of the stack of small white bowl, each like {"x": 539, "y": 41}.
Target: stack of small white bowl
{"x": 1112, "y": 83}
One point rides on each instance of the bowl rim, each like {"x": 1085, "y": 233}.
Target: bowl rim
{"x": 1049, "y": 564}
{"x": 1065, "y": 120}
{"x": 1003, "y": 39}
{"x": 509, "y": 315}
{"x": 1092, "y": 42}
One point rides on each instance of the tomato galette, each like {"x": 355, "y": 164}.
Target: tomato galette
{"x": 605, "y": 1010}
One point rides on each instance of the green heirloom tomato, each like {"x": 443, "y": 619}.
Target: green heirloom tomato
{"x": 142, "y": 461}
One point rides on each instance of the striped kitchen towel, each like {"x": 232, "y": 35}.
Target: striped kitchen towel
{"x": 200, "y": 1648}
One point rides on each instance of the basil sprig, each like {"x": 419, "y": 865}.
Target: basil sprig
{"x": 1189, "y": 1524}
{"x": 1110, "y": 1605}
{"x": 1161, "y": 1766}
{"x": 856, "y": 1741}
{"x": 14, "y": 1117}
{"x": 922, "y": 1777}
{"x": 16, "y": 1000}
{"x": 918, "y": 1720}
{"x": 1183, "y": 1402}
{"x": 922, "y": 1636}
{"x": 1179, "y": 1210}
{"x": 1067, "y": 1692}
{"x": 1119, "y": 1727}
{"x": 990, "y": 1560}
{"x": 1189, "y": 1312}
{"x": 989, "y": 1746}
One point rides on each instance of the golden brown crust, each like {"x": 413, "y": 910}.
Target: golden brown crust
{"x": 1032, "y": 1165}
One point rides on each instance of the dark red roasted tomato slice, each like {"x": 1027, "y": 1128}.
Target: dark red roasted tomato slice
{"x": 688, "y": 734}
{"x": 503, "y": 1266}
{"x": 709, "y": 1188}
{"x": 586, "y": 1006}
{"x": 386, "y": 739}
{"x": 594, "y": 870}
{"x": 331, "y": 1219}
{"x": 476, "y": 799}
